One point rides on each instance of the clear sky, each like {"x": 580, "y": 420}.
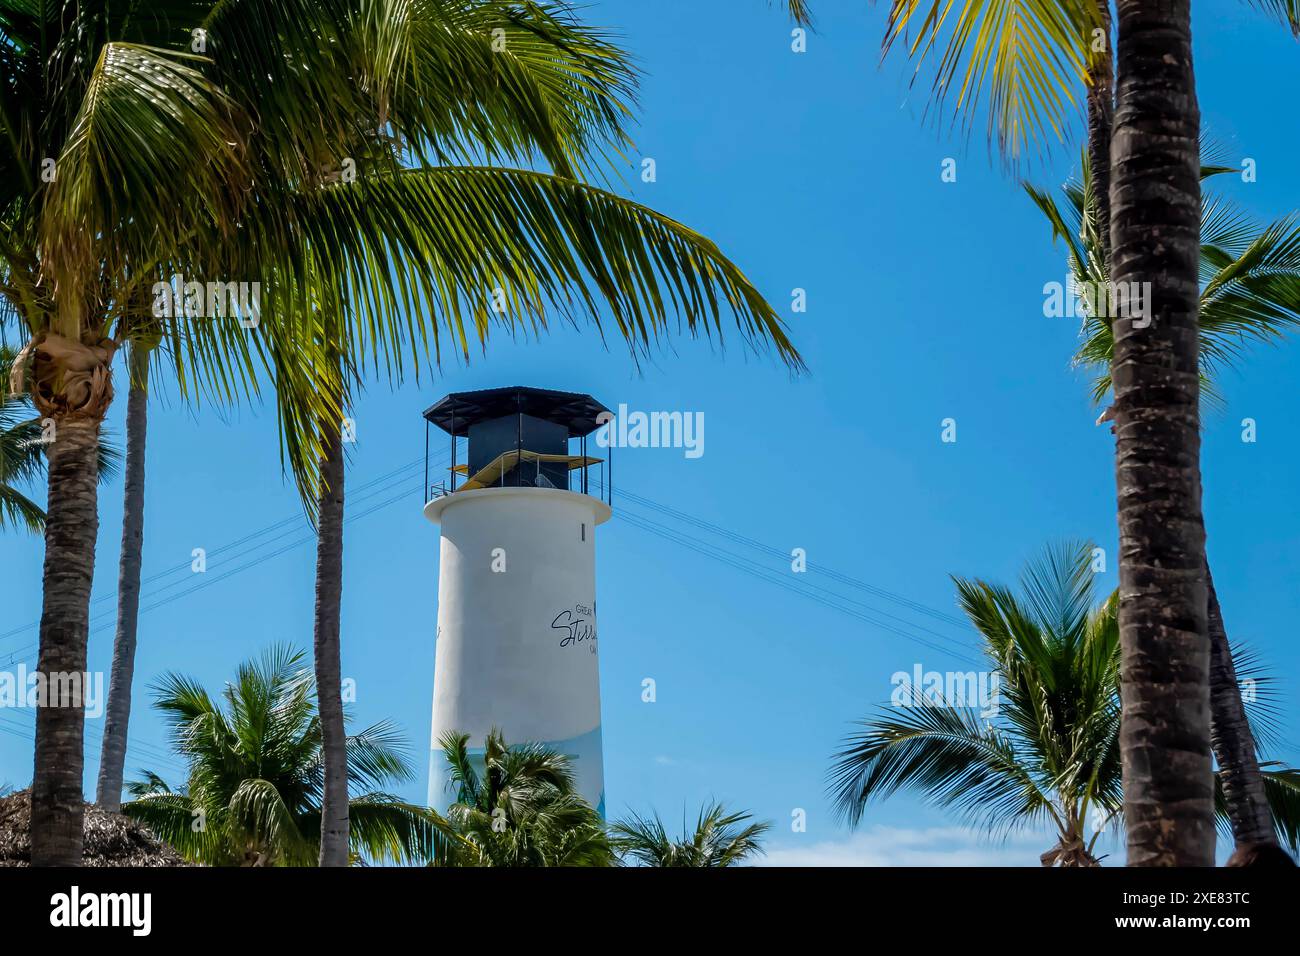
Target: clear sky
{"x": 924, "y": 302}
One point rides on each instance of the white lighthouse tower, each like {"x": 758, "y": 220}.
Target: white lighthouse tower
{"x": 516, "y": 639}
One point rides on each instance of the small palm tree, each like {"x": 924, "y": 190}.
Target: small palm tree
{"x": 1051, "y": 753}
{"x": 516, "y": 805}
{"x": 255, "y": 775}
{"x": 720, "y": 838}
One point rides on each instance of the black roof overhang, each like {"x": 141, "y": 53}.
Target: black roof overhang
{"x": 455, "y": 413}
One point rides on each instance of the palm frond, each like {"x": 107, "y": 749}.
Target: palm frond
{"x": 383, "y": 827}
{"x": 719, "y": 838}
{"x": 1282, "y": 787}
{"x": 507, "y": 246}
{"x": 1048, "y": 746}
{"x": 19, "y": 511}
{"x": 945, "y": 756}
{"x": 1023, "y": 61}
{"x": 800, "y": 11}
{"x": 126, "y": 173}
{"x": 1250, "y": 278}
{"x": 254, "y": 771}
{"x": 1286, "y": 12}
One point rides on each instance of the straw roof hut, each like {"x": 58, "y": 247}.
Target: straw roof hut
{"x": 110, "y": 838}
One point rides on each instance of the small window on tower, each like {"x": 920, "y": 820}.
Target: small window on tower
{"x": 584, "y": 531}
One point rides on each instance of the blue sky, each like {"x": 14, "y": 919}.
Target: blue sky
{"x": 924, "y": 302}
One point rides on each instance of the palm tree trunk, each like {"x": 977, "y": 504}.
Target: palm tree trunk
{"x": 329, "y": 596}
{"x": 1101, "y": 120}
{"x": 70, "y": 530}
{"x": 117, "y": 715}
{"x": 1233, "y": 742}
{"x": 1230, "y": 734}
{"x": 1155, "y": 237}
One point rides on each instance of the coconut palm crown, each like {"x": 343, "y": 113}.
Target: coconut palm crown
{"x": 1050, "y": 754}
{"x": 252, "y": 795}
{"x": 516, "y": 805}
{"x": 720, "y": 838}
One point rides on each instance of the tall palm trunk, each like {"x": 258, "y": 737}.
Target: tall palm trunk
{"x": 112, "y": 758}
{"x": 1101, "y": 121}
{"x": 1234, "y": 744}
{"x": 1231, "y": 738}
{"x": 71, "y": 525}
{"x": 1155, "y": 237}
{"x": 329, "y": 596}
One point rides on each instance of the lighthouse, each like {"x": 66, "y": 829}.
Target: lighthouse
{"x": 516, "y": 645}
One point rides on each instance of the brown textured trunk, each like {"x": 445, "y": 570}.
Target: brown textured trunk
{"x": 1101, "y": 119}
{"x": 117, "y": 715}
{"x": 334, "y": 835}
{"x": 1155, "y": 236}
{"x": 70, "y": 529}
{"x": 1231, "y": 737}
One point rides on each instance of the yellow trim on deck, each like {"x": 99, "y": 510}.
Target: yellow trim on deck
{"x": 495, "y": 470}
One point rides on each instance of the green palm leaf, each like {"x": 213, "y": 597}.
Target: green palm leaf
{"x": 1284, "y": 11}
{"x": 720, "y": 838}
{"x": 1250, "y": 278}
{"x": 944, "y": 754}
{"x": 515, "y": 805}
{"x": 1051, "y": 748}
{"x": 253, "y": 788}
{"x": 1024, "y": 61}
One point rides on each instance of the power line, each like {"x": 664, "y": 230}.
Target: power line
{"x": 804, "y": 590}
{"x": 108, "y": 616}
{"x": 777, "y": 552}
{"x": 823, "y": 596}
{"x": 153, "y": 753}
{"x": 296, "y": 520}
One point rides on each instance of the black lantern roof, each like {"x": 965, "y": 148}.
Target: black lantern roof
{"x": 455, "y": 413}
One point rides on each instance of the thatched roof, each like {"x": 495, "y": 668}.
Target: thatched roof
{"x": 110, "y": 838}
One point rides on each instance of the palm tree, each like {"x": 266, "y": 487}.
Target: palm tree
{"x": 253, "y": 794}
{"x": 516, "y": 805}
{"x": 1027, "y": 59}
{"x": 720, "y": 838}
{"x": 1250, "y": 292}
{"x": 1051, "y": 752}
{"x": 1155, "y": 238}
{"x": 117, "y": 711}
{"x": 286, "y": 100}
{"x": 536, "y": 239}
{"x": 101, "y": 198}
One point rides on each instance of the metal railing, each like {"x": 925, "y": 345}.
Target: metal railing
{"x": 602, "y": 483}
